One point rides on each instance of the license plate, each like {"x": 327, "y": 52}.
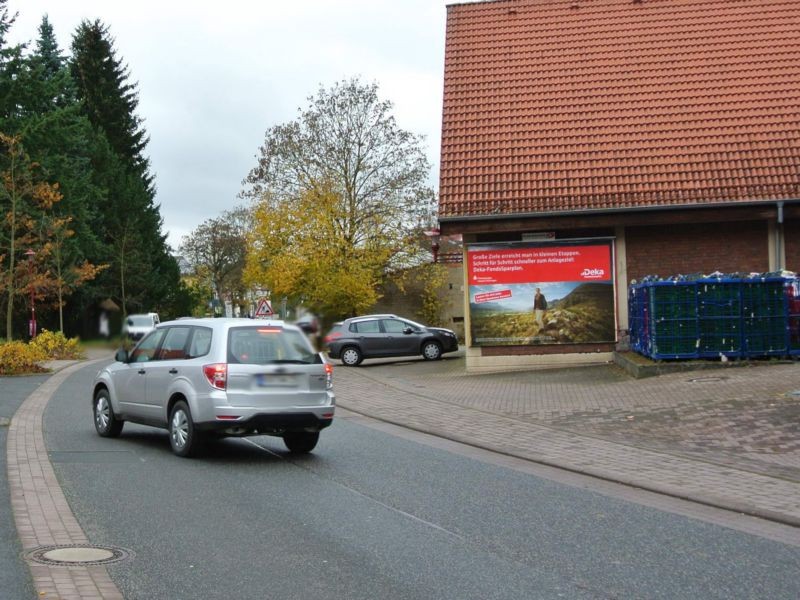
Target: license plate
{"x": 265, "y": 380}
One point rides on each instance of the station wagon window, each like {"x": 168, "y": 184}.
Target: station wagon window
{"x": 394, "y": 326}
{"x": 365, "y": 326}
{"x": 146, "y": 349}
{"x": 174, "y": 345}
{"x": 201, "y": 342}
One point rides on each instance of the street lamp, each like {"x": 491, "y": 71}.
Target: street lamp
{"x": 434, "y": 235}
{"x": 32, "y": 323}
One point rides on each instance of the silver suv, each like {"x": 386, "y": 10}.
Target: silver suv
{"x": 203, "y": 378}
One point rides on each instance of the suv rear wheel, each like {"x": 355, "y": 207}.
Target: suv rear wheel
{"x": 301, "y": 442}
{"x": 351, "y": 356}
{"x": 183, "y": 438}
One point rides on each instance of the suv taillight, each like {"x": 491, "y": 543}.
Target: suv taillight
{"x": 328, "y": 376}
{"x": 217, "y": 375}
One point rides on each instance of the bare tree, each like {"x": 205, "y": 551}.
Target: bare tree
{"x": 340, "y": 195}
{"x": 218, "y": 248}
{"x": 347, "y": 143}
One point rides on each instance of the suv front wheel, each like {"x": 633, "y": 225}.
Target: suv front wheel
{"x": 105, "y": 421}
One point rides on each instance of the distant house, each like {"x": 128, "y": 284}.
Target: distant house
{"x": 586, "y": 143}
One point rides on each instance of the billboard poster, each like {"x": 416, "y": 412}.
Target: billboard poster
{"x": 541, "y": 293}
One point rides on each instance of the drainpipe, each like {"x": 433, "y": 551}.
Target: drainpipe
{"x": 779, "y": 238}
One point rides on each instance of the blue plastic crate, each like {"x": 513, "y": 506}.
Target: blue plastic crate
{"x": 719, "y": 315}
{"x": 707, "y": 317}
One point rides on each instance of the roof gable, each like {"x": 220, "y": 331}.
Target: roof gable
{"x": 565, "y": 105}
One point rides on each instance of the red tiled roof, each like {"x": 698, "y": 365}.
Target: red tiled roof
{"x": 561, "y": 105}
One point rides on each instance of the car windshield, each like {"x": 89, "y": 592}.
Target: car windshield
{"x": 140, "y": 321}
{"x": 262, "y": 345}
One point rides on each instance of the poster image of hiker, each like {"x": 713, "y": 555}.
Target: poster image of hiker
{"x": 532, "y": 294}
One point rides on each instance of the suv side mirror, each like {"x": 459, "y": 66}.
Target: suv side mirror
{"x": 408, "y": 330}
{"x": 121, "y": 355}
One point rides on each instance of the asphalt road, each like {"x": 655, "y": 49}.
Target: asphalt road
{"x": 372, "y": 515}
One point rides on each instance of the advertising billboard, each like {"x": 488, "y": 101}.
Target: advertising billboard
{"x": 541, "y": 293}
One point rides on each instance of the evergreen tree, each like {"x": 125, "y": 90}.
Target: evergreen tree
{"x": 143, "y": 274}
{"x": 57, "y": 135}
{"x": 47, "y": 51}
{"x": 10, "y": 65}
{"x": 109, "y": 100}
{"x": 6, "y": 21}
{"x": 75, "y": 119}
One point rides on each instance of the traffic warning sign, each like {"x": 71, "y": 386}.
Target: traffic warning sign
{"x": 264, "y": 309}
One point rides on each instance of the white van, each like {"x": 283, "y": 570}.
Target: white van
{"x": 137, "y": 326}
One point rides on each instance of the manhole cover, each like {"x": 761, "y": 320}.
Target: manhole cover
{"x": 72, "y": 555}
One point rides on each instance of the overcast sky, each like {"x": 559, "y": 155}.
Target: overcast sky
{"x": 213, "y": 77}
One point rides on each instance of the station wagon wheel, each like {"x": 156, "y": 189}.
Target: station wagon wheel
{"x": 431, "y": 350}
{"x": 105, "y": 422}
{"x": 351, "y": 356}
{"x": 183, "y": 438}
{"x": 301, "y": 442}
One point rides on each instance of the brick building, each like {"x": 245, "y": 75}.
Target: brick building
{"x": 667, "y": 132}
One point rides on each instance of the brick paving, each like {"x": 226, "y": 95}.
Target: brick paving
{"x": 41, "y": 512}
{"x": 728, "y": 438}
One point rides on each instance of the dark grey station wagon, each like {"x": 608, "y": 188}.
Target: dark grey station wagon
{"x": 379, "y": 336}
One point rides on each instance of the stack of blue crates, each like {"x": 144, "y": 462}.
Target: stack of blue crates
{"x": 719, "y": 317}
{"x": 713, "y": 316}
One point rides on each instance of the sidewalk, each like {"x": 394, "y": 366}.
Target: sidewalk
{"x": 728, "y": 438}
{"x": 43, "y": 519}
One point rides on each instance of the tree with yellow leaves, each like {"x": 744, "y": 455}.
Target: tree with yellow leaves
{"x": 340, "y": 196}
{"x": 298, "y": 249}
{"x": 66, "y": 274}
{"x": 22, "y": 201}
{"x": 28, "y": 225}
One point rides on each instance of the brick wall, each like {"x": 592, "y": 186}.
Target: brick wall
{"x": 791, "y": 233}
{"x": 700, "y": 248}
{"x": 408, "y": 302}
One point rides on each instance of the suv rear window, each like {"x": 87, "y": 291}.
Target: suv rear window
{"x": 269, "y": 344}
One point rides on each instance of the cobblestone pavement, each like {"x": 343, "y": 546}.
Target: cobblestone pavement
{"x": 728, "y": 437}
